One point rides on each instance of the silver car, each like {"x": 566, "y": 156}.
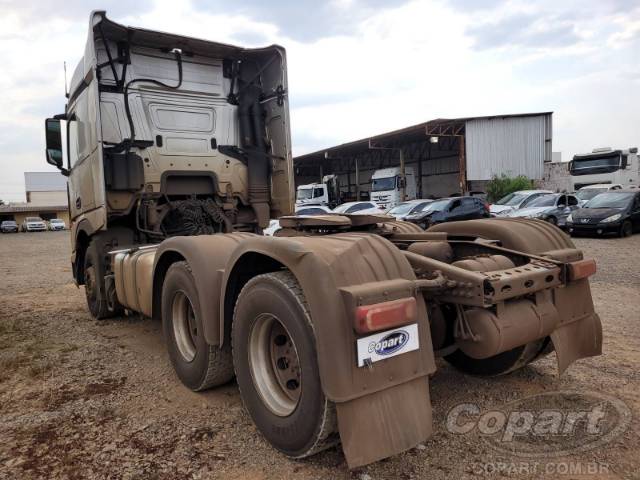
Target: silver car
{"x": 553, "y": 208}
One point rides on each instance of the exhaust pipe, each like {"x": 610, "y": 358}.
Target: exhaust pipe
{"x": 252, "y": 131}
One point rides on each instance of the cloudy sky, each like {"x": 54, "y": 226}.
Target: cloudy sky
{"x": 359, "y": 67}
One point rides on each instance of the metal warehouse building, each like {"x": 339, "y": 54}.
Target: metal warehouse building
{"x": 448, "y": 156}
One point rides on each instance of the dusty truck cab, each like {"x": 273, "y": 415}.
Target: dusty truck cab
{"x": 178, "y": 153}
{"x": 168, "y": 135}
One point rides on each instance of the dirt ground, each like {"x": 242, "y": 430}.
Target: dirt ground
{"x": 87, "y": 399}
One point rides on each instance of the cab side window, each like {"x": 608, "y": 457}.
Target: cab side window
{"x": 78, "y": 129}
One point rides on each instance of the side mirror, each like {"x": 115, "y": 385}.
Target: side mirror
{"x": 53, "y": 137}
{"x": 624, "y": 163}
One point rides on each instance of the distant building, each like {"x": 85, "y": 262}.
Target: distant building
{"x": 46, "y": 194}
{"x": 45, "y": 188}
{"x": 449, "y": 156}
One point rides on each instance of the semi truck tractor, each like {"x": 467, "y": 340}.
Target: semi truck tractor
{"x": 605, "y": 166}
{"x": 326, "y": 193}
{"x": 178, "y": 153}
{"x": 389, "y": 187}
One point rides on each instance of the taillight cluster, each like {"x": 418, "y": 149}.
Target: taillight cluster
{"x": 381, "y": 316}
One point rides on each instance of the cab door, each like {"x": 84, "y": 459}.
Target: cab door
{"x": 84, "y": 152}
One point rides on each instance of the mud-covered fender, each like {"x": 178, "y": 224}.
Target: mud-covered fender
{"x": 579, "y": 333}
{"x": 391, "y": 399}
{"x": 529, "y": 236}
{"x": 207, "y": 256}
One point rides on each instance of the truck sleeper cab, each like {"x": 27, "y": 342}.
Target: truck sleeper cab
{"x": 178, "y": 154}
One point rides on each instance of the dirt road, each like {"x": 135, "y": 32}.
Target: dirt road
{"x": 87, "y": 399}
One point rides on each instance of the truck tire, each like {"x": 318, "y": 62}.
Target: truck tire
{"x": 198, "y": 364}
{"x": 501, "y": 364}
{"x": 94, "y": 288}
{"x": 275, "y": 360}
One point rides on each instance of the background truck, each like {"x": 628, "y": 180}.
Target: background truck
{"x": 605, "y": 165}
{"x": 388, "y": 186}
{"x": 178, "y": 152}
{"x": 326, "y": 193}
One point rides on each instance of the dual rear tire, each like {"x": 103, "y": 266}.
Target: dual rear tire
{"x": 272, "y": 354}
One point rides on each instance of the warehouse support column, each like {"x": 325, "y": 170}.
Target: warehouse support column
{"x": 462, "y": 164}
{"x": 357, "y": 182}
{"x": 403, "y": 189}
{"x": 419, "y": 193}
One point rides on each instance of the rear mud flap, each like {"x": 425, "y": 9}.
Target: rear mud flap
{"x": 385, "y": 423}
{"x": 577, "y": 339}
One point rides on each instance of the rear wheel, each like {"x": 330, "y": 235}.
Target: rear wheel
{"x": 626, "y": 229}
{"x": 198, "y": 364}
{"x": 501, "y": 364}
{"x": 276, "y": 366}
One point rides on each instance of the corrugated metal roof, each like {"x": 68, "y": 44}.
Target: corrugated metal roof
{"x": 408, "y": 133}
{"x": 45, "y": 182}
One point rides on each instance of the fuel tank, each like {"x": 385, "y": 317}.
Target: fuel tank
{"x": 133, "y": 277}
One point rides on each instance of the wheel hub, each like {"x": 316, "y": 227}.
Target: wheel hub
{"x": 185, "y": 327}
{"x": 274, "y": 365}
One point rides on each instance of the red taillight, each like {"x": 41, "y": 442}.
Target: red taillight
{"x": 379, "y": 316}
{"x": 582, "y": 269}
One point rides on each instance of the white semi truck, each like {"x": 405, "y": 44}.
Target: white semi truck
{"x": 605, "y": 166}
{"x": 326, "y": 193}
{"x": 178, "y": 153}
{"x": 388, "y": 186}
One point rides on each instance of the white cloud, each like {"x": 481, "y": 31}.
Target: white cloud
{"x": 382, "y": 69}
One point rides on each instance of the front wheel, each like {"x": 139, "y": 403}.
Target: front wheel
{"x": 275, "y": 360}
{"x": 94, "y": 287}
{"x": 626, "y": 229}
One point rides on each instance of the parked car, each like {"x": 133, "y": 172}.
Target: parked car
{"x": 450, "y": 210}
{"x": 9, "y": 226}
{"x": 313, "y": 210}
{"x": 33, "y": 224}
{"x": 403, "y": 209}
{"x": 515, "y": 200}
{"x": 587, "y": 193}
{"x": 359, "y": 208}
{"x": 57, "y": 224}
{"x": 615, "y": 211}
{"x": 553, "y": 208}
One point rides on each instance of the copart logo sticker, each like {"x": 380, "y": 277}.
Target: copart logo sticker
{"x": 390, "y": 343}
{"x": 550, "y": 424}
{"x": 383, "y": 345}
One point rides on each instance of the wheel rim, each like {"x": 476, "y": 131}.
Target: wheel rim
{"x": 185, "y": 327}
{"x": 274, "y": 365}
{"x": 89, "y": 282}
